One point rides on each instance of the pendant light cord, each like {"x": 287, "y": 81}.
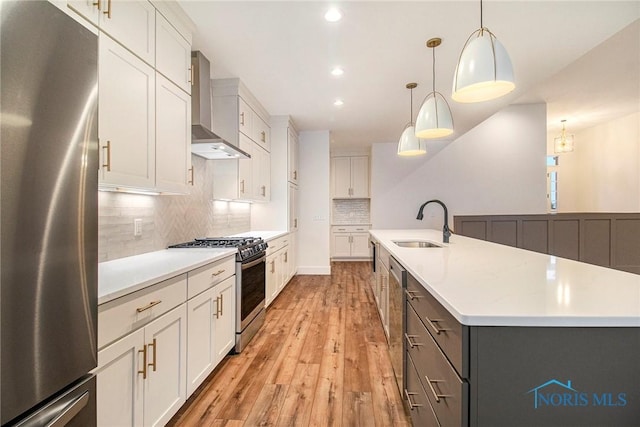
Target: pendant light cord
{"x": 433, "y": 49}
{"x": 411, "y": 107}
{"x": 481, "y": 14}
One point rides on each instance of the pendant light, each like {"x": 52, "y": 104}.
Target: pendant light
{"x": 484, "y": 70}
{"x": 564, "y": 142}
{"x": 409, "y": 144}
{"x": 434, "y": 118}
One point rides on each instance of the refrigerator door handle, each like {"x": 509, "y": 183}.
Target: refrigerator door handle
{"x": 70, "y": 411}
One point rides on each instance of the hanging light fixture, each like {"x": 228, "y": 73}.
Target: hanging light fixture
{"x": 564, "y": 142}
{"x": 484, "y": 70}
{"x": 434, "y": 118}
{"x": 409, "y": 144}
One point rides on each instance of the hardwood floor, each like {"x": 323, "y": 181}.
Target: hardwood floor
{"x": 321, "y": 359}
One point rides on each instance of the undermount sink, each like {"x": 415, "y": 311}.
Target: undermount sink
{"x": 415, "y": 244}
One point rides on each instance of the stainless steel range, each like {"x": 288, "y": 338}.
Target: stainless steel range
{"x": 250, "y": 281}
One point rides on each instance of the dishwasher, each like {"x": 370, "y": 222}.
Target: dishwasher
{"x": 397, "y": 285}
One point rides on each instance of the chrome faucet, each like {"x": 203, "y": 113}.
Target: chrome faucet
{"x": 446, "y": 233}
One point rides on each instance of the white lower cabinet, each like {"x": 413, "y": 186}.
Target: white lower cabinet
{"x": 119, "y": 386}
{"x": 141, "y": 377}
{"x": 350, "y": 241}
{"x": 280, "y": 266}
{"x": 210, "y": 332}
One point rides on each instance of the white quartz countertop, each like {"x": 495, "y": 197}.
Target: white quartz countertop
{"x": 487, "y": 284}
{"x": 123, "y": 276}
{"x": 266, "y": 235}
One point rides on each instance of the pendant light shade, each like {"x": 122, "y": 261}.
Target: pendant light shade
{"x": 434, "y": 118}
{"x": 563, "y": 143}
{"x": 484, "y": 70}
{"x": 409, "y": 144}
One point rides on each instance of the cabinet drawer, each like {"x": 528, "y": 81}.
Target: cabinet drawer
{"x": 205, "y": 277}
{"x": 275, "y": 245}
{"x": 124, "y": 315}
{"x": 349, "y": 228}
{"x": 420, "y": 409}
{"x": 445, "y": 329}
{"x": 447, "y": 393}
{"x": 383, "y": 256}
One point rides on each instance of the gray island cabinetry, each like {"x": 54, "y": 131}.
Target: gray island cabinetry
{"x": 498, "y": 336}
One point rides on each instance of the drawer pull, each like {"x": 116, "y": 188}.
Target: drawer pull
{"x": 412, "y": 294}
{"x": 432, "y": 323}
{"x": 153, "y": 364}
{"x": 411, "y": 404}
{"x": 433, "y": 390}
{"x": 148, "y": 306}
{"x": 144, "y": 362}
{"x": 217, "y": 273}
{"x": 410, "y": 342}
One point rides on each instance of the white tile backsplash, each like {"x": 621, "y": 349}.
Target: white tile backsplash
{"x": 351, "y": 211}
{"x": 167, "y": 219}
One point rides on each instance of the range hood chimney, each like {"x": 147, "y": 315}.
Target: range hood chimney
{"x": 204, "y": 142}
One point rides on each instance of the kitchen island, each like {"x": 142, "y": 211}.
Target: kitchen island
{"x": 502, "y": 336}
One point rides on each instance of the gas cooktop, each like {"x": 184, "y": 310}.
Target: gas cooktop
{"x": 248, "y": 247}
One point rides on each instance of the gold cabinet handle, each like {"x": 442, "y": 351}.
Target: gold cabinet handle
{"x": 108, "y": 11}
{"x": 148, "y": 306}
{"x": 295, "y": 174}
{"x": 107, "y": 165}
{"x": 144, "y": 362}
{"x": 217, "y": 273}
{"x": 191, "y": 76}
{"x": 155, "y": 348}
{"x": 432, "y": 323}
{"x": 410, "y": 338}
{"x": 263, "y": 191}
{"x": 97, "y": 4}
{"x": 433, "y": 390}
{"x": 221, "y": 305}
{"x": 411, "y": 404}
{"x": 191, "y": 181}
{"x": 286, "y": 257}
{"x": 242, "y": 119}
{"x": 295, "y": 223}
{"x": 263, "y": 136}
{"x": 242, "y": 186}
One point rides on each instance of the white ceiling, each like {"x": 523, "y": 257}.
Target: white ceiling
{"x": 284, "y": 50}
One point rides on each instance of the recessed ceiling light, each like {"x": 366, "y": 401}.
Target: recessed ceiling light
{"x": 337, "y": 71}
{"x": 333, "y": 15}
{"x": 338, "y": 102}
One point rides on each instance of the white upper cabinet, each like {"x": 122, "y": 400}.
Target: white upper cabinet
{"x": 240, "y": 119}
{"x": 126, "y": 117}
{"x": 350, "y": 177}
{"x": 292, "y": 152}
{"x": 173, "y": 138}
{"x": 173, "y": 54}
{"x": 130, "y": 22}
{"x": 261, "y": 162}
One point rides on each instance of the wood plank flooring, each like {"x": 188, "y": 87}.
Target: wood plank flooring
{"x": 320, "y": 359}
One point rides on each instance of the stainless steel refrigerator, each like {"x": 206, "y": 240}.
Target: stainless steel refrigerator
{"x": 48, "y": 216}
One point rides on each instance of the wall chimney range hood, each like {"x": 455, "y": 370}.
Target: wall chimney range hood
{"x": 204, "y": 142}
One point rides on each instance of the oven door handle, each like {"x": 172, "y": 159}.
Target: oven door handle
{"x": 255, "y": 262}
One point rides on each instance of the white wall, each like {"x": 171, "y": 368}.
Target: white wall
{"x": 602, "y": 174}
{"x": 499, "y": 167}
{"x": 313, "y": 204}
